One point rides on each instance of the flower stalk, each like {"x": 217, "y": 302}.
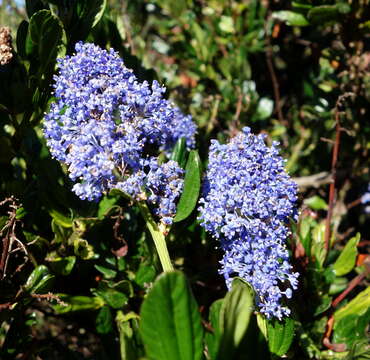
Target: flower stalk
{"x": 158, "y": 237}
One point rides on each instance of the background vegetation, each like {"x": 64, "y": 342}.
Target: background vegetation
{"x": 74, "y": 274}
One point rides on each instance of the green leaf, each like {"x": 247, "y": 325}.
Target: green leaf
{"x": 80, "y": 17}
{"x": 351, "y": 328}
{"x": 21, "y": 38}
{"x": 145, "y": 274}
{"x": 63, "y": 266}
{"x": 104, "y": 320}
{"x": 111, "y": 296}
{"x": 347, "y": 258}
{"x": 234, "y": 317}
{"x": 213, "y": 339}
{"x": 318, "y": 243}
{"x": 60, "y": 219}
{"x": 316, "y": 203}
{"x": 39, "y": 273}
{"x": 325, "y": 13}
{"x": 105, "y": 206}
{"x": 190, "y": 194}
{"x": 77, "y": 303}
{"x": 179, "y": 152}
{"x": 108, "y": 273}
{"x": 290, "y": 18}
{"x": 358, "y": 306}
{"x": 21, "y": 213}
{"x": 44, "y": 37}
{"x": 324, "y": 305}
{"x": 171, "y": 326}
{"x": 280, "y": 335}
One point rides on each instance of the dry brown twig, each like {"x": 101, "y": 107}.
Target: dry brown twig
{"x": 8, "y": 232}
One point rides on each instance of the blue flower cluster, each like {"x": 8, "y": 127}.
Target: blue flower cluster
{"x": 365, "y": 199}
{"x": 247, "y": 201}
{"x": 109, "y": 128}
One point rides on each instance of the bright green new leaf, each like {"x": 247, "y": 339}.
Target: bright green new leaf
{"x": 171, "y": 325}
{"x": 290, "y": 17}
{"x": 358, "y": 306}
{"x": 347, "y": 258}
{"x": 77, "y": 303}
{"x": 108, "y": 273}
{"x": 190, "y": 194}
{"x": 316, "y": 203}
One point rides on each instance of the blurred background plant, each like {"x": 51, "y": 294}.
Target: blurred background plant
{"x": 74, "y": 274}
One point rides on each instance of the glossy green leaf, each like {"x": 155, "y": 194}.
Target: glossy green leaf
{"x": 36, "y": 276}
{"x": 104, "y": 320}
{"x": 21, "y": 38}
{"x": 45, "y": 34}
{"x": 77, "y": 303}
{"x": 235, "y": 314}
{"x": 357, "y": 306}
{"x": 280, "y": 335}
{"x": 190, "y": 194}
{"x": 171, "y": 326}
{"x": 290, "y": 17}
{"x": 179, "y": 152}
{"x": 83, "y": 15}
{"x": 347, "y": 258}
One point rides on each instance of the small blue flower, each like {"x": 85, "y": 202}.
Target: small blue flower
{"x": 106, "y": 126}
{"x": 247, "y": 201}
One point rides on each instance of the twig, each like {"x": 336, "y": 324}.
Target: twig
{"x": 334, "y": 160}
{"x": 352, "y": 284}
{"x": 332, "y": 185}
{"x": 354, "y": 203}
{"x": 274, "y": 80}
{"x": 315, "y": 180}
{"x": 49, "y": 296}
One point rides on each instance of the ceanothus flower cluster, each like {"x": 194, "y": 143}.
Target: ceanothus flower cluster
{"x": 365, "y": 199}
{"x": 247, "y": 201}
{"x": 109, "y": 128}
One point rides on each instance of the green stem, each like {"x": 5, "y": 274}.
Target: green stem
{"x": 158, "y": 237}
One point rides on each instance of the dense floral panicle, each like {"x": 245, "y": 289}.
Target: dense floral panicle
{"x": 104, "y": 120}
{"x": 247, "y": 201}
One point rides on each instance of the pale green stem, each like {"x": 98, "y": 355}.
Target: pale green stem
{"x": 158, "y": 237}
